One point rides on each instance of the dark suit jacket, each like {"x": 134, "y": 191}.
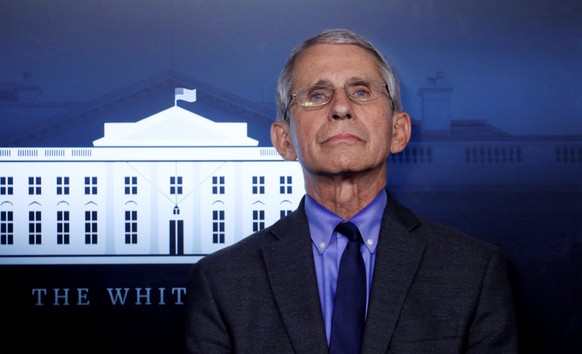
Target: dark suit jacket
{"x": 434, "y": 290}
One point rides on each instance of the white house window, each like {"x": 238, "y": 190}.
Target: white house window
{"x": 63, "y": 186}
{"x": 218, "y": 185}
{"x": 6, "y": 185}
{"x": 286, "y": 184}
{"x": 34, "y": 228}
{"x": 63, "y": 227}
{"x": 258, "y": 220}
{"x": 131, "y": 227}
{"x": 258, "y": 184}
{"x": 218, "y": 226}
{"x": 90, "y": 227}
{"x": 90, "y": 185}
{"x": 175, "y": 185}
{"x": 34, "y": 185}
{"x": 130, "y": 185}
{"x": 6, "y": 228}
{"x": 284, "y": 213}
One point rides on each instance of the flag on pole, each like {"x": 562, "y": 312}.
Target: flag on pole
{"x": 184, "y": 95}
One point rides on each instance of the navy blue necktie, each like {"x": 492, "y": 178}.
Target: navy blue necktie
{"x": 349, "y": 312}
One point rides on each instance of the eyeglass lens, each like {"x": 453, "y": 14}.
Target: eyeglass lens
{"x": 318, "y": 95}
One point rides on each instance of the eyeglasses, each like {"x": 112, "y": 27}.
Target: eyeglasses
{"x": 319, "y": 95}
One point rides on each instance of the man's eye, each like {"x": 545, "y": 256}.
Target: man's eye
{"x": 360, "y": 92}
{"x": 318, "y": 95}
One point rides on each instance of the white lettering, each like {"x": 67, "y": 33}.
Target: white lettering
{"x": 64, "y": 297}
{"x": 82, "y": 294}
{"x": 118, "y": 296}
{"x": 139, "y": 296}
{"x": 39, "y": 294}
{"x": 178, "y": 292}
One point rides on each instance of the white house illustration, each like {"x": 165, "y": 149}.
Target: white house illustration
{"x": 174, "y": 185}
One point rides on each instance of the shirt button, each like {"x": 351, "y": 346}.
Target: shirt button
{"x": 370, "y": 242}
{"x": 322, "y": 245}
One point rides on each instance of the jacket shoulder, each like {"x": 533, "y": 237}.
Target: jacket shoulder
{"x": 437, "y": 235}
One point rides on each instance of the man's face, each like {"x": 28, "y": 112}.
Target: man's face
{"x": 342, "y": 136}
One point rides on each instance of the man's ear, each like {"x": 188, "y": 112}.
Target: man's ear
{"x": 281, "y": 139}
{"x": 401, "y": 130}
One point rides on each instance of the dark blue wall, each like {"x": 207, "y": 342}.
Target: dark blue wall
{"x": 516, "y": 65}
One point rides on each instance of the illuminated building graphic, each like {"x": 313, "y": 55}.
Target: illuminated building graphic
{"x": 174, "y": 185}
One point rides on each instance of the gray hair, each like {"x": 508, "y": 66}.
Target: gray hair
{"x": 334, "y": 36}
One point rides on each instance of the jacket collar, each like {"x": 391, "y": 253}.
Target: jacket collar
{"x": 398, "y": 257}
{"x": 291, "y": 271}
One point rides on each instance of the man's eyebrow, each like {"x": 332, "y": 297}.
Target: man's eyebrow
{"x": 359, "y": 79}
{"x": 351, "y": 80}
{"x": 322, "y": 82}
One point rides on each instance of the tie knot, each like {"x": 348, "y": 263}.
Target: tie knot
{"x": 349, "y": 230}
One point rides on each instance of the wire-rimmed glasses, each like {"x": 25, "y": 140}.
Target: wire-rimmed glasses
{"x": 321, "y": 94}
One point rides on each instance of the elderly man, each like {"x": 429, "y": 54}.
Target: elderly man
{"x": 350, "y": 270}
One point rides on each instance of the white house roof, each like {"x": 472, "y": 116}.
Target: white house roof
{"x": 175, "y": 126}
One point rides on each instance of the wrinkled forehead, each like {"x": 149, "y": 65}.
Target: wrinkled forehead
{"x": 335, "y": 64}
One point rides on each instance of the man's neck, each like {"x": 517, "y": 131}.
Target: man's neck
{"x": 345, "y": 195}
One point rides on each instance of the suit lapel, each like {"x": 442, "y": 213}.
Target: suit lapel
{"x": 397, "y": 260}
{"x": 291, "y": 272}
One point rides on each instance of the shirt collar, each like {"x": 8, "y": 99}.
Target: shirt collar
{"x": 322, "y": 222}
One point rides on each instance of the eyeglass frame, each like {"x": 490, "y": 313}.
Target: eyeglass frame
{"x": 383, "y": 84}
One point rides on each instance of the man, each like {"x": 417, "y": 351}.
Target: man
{"x": 426, "y": 288}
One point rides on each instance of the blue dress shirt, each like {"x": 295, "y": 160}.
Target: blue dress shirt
{"x": 328, "y": 247}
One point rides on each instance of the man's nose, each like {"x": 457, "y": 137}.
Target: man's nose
{"x": 340, "y": 105}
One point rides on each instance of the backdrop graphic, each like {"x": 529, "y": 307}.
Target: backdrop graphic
{"x": 493, "y": 89}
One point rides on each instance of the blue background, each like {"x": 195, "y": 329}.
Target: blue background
{"x": 515, "y": 64}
